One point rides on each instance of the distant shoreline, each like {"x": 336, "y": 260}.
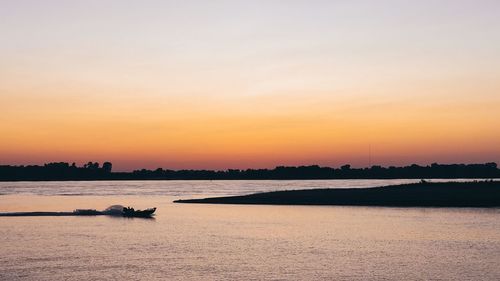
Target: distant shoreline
{"x": 483, "y": 194}
{"x": 62, "y": 171}
{"x": 287, "y": 179}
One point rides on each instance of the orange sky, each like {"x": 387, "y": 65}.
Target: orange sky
{"x": 239, "y": 87}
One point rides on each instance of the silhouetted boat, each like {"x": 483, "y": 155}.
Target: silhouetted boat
{"x": 115, "y": 210}
{"x": 130, "y": 212}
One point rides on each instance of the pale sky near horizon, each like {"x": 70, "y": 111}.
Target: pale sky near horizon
{"x": 238, "y": 84}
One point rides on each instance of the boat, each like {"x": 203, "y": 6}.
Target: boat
{"x": 131, "y": 213}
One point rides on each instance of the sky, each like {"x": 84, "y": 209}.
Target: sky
{"x": 249, "y": 84}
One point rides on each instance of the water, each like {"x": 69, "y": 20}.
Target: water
{"x": 184, "y": 188}
{"x": 231, "y": 242}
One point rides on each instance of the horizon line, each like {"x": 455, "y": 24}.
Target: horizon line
{"x": 243, "y": 169}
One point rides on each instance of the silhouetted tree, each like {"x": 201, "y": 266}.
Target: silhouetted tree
{"x": 107, "y": 167}
{"x": 345, "y": 167}
{"x": 92, "y": 166}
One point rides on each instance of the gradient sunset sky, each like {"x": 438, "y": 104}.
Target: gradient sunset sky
{"x": 240, "y": 84}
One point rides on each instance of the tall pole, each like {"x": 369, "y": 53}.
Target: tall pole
{"x": 369, "y": 156}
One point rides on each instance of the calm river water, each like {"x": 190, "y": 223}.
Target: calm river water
{"x": 236, "y": 242}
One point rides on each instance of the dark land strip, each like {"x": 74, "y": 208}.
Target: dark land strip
{"x": 62, "y": 171}
{"x": 423, "y": 194}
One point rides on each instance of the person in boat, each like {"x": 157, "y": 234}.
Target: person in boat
{"x": 128, "y": 210}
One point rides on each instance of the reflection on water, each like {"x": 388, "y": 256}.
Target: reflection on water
{"x": 230, "y": 242}
{"x": 185, "y": 188}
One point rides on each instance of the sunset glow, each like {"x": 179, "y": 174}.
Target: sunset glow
{"x": 222, "y": 84}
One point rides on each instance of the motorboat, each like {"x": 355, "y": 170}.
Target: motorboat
{"x": 130, "y": 212}
{"x": 115, "y": 211}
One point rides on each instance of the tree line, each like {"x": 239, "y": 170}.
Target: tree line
{"x": 93, "y": 171}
